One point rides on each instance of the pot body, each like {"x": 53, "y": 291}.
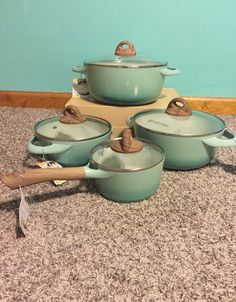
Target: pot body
{"x": 182, "y": 153}
{"x": 127, "y": 186}
{"x": 125, "y": 86}
{"x": 66, "y": 153}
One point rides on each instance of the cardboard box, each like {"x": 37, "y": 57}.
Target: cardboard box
{"x": 118, "y": 115}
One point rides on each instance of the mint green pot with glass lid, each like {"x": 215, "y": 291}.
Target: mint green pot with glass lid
{"x": 68, "y": 139}
{"x": 124, "y": 169}
{"x": 125, "y": 79}
{"x": 189, "y": 138}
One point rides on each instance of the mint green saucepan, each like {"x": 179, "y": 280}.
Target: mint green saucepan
{"x": 189, "y": 138}
{"x": 125, "y": 170}
{"x": 69, "y": 139}
{"x": 125, "y": 79}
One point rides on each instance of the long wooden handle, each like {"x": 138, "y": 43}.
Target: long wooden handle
{"x": 28, "y": 177}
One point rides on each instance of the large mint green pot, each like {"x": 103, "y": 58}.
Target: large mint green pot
{"x": 125, "y": 86}
{"x": 124, "y": 80}
{"x": 180, "y": 137}
{"x": 67, "y": 145}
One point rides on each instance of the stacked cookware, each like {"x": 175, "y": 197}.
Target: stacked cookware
{"x": 125, "y": 79}
{"x": 176, "y": 137}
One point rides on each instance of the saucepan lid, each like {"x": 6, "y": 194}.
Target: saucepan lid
{"x": 178, "y": 119}
{"x": 125, "y": 57}
{"x": 127, "y": 154}
{"x": 72, "y": 126}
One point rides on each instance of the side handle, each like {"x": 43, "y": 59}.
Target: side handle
{"x": 50, "y": 149}
{"x": 168, "y": 71}
{"x": 80, "y": 69}
{"x": 226, "y": 140}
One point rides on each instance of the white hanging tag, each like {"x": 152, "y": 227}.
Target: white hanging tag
{"x": 23, "y": 212}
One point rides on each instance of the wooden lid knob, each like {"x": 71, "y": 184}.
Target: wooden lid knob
{"x": 127, "y": 144}
{"x": 72, "y": 115}
{"x": 179, "y": 107}
{"x": 122, "y": 50}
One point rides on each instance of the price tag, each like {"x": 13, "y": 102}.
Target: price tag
{"x": 49, "y": 164}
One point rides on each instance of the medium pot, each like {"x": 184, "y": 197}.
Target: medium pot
{"x": 69, "y": 139}
{"x": 189, "y": 138}
{"x": 117, "y": 167}
{"x": 125, "y": 80}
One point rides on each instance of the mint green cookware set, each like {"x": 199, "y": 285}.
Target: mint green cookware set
{"x": 128, "y": 168}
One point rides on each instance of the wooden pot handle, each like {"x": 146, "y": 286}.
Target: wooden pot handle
{"x": 125, "y": 51}
{"x": 72, "y": 115}
{"x": 127, "y": 144}
{"x": 179, "y": 107}
{"x": 28, "y": 177}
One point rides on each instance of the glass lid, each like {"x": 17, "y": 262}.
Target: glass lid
{"x": 195, "y": 123}
{"x": 54, "y": 129}
{"x": 122, "y": 62}
{"x": 125, "y": 57}
{"x": 104, "y": 157}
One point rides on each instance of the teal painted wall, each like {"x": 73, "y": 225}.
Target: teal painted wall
{"x": 40, "y": 41}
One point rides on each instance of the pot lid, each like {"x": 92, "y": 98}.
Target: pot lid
{"x": 72, "y": 126}
{"x": 125, "y": 58}
{"x": 179, "y": 120}
{"x": 107, "y": 157}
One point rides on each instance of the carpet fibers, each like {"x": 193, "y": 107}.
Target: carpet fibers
{"x": 178, "y": 245}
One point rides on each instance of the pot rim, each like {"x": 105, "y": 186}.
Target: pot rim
{"x": 108, "y": 143}
{"x": 147, "y": 65}
{"x": 38, "y": 135}
{"x": 179, "y": 135}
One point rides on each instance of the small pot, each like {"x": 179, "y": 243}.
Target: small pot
{"x": 125, "y": 170}
{"x": 69, "y": 139}
{"x": 189, "y": 138}
{"x": 124, "y": 79}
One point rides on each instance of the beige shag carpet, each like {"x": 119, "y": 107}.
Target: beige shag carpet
{"x": 179, "y": 245}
